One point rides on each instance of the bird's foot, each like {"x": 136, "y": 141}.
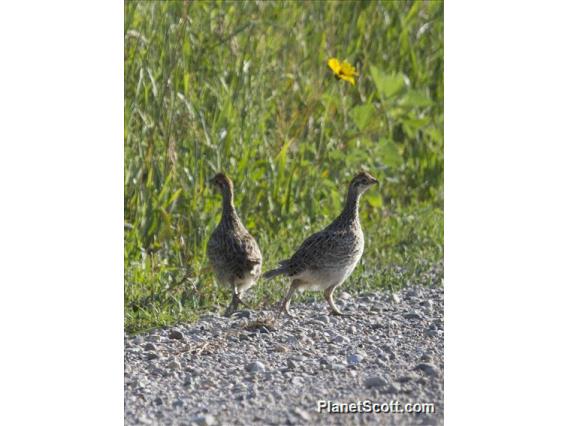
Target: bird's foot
{"x": 279, "y": 308}
{"x": 240, "y": 301}
{"x": 232, "y": 308}
{"x": 338, "y": 313}
{"x": 290, "y": 314}
{"x": 235, "y": 302}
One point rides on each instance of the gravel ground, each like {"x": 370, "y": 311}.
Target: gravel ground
{"x": 246, "y": 370}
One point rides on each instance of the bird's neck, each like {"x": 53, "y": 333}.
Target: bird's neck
{"x": 350, "y": 212}
{"x": 229, "y": 216}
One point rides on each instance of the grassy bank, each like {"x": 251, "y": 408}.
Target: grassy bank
{"x": 243, "y": 87}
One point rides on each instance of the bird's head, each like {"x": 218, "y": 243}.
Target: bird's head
{"x": 222, "y": 182}
{"x": 361, "y": 182}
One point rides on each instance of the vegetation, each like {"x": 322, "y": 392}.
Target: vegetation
{"x": 244, "y": 88}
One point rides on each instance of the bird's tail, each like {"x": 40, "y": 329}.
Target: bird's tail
{"x": 275, "y": 272}
{"x": 271, "y": 274}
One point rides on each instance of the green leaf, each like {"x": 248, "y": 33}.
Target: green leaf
{"x": 174, "y": 197}
{"x": 387, "y": 84}
{"x": 414, "y": 98}
{"x": 388, "y": 153}
{"x": 375, "y": 200}
{"x": 362, "y": 115}
{"x": 186, "y": 83}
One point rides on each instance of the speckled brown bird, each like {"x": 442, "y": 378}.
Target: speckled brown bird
{"x": 234, "y": 254}
{"x": 327, "y": 258}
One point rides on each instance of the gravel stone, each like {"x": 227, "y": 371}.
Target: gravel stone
{"x": 291, "y": 364}
{"x": 297, "y": 381}
{"x": 255, "y": 367}
{"x": 303, "y": 414}
{"x": 412, "y": 315}
{"x": 174, "y": 365}
{"x": 150, "y": 347}
{"x": 429, "y": 369}
{"x": 207, "y": 420}
{"x": 280, "y": 348}
{"x": 323, "y": 318}
{"x": 376, "y": 381}
{"x": 406, "y": 378}
{"x": 341, "y": 340}
{"x": 244, "y": 314}
{"x": 354, "y": 359}
{"x": 176, "y": 334}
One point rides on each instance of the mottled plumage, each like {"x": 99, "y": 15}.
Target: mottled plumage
{"x": 327, "y": 258}
{"x": 234, "y": 254}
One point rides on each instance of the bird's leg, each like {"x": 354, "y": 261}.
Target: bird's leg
{"x": 286, "y": 308}
{"x": 239, "y": 300}
{"x": 285, "y": 304}
{"x": 328, "y": 294}
{"x": 234, "y": 302}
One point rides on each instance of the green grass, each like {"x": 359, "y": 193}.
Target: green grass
{"x": 243, "y": 87}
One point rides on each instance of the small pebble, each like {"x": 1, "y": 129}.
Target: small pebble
{"x": 279, "y": 348}
{"x": 174, "y": 365}
{"x": 341, "y": 340}
{"x": 291, "y": 364}
{"x": 255, "y": 367}
{"x": 150, "y": 347}
{"x": 395, "y": 298}
{"x": 303, "y": 414}
{"x": 176, "y": 334}
{"x": 354, "y": 359}
{"x": 412, "y": 315}
{"x": 429, "y": 369}
{"x": 297, "y": 381}
{"x": 244, "y": 314}
{"x": 207, "y": 420}
{"x": 375, "y": 381}
{"x": 406, "y": 378}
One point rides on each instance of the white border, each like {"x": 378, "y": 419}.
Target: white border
{"x": 505, "y": 215}
{"x": 61, "y": 180}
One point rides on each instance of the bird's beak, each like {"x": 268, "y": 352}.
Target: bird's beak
{"x": 374, "y": 181}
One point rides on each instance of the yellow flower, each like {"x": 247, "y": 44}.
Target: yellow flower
{"x": 343, "y": 70}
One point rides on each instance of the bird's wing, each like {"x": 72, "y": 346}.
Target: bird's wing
{"x": 249, "y": 248}
{"x": 237, "y": 253}
{"x": 216, "y": 250}
{"x": 315, "y": 246}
